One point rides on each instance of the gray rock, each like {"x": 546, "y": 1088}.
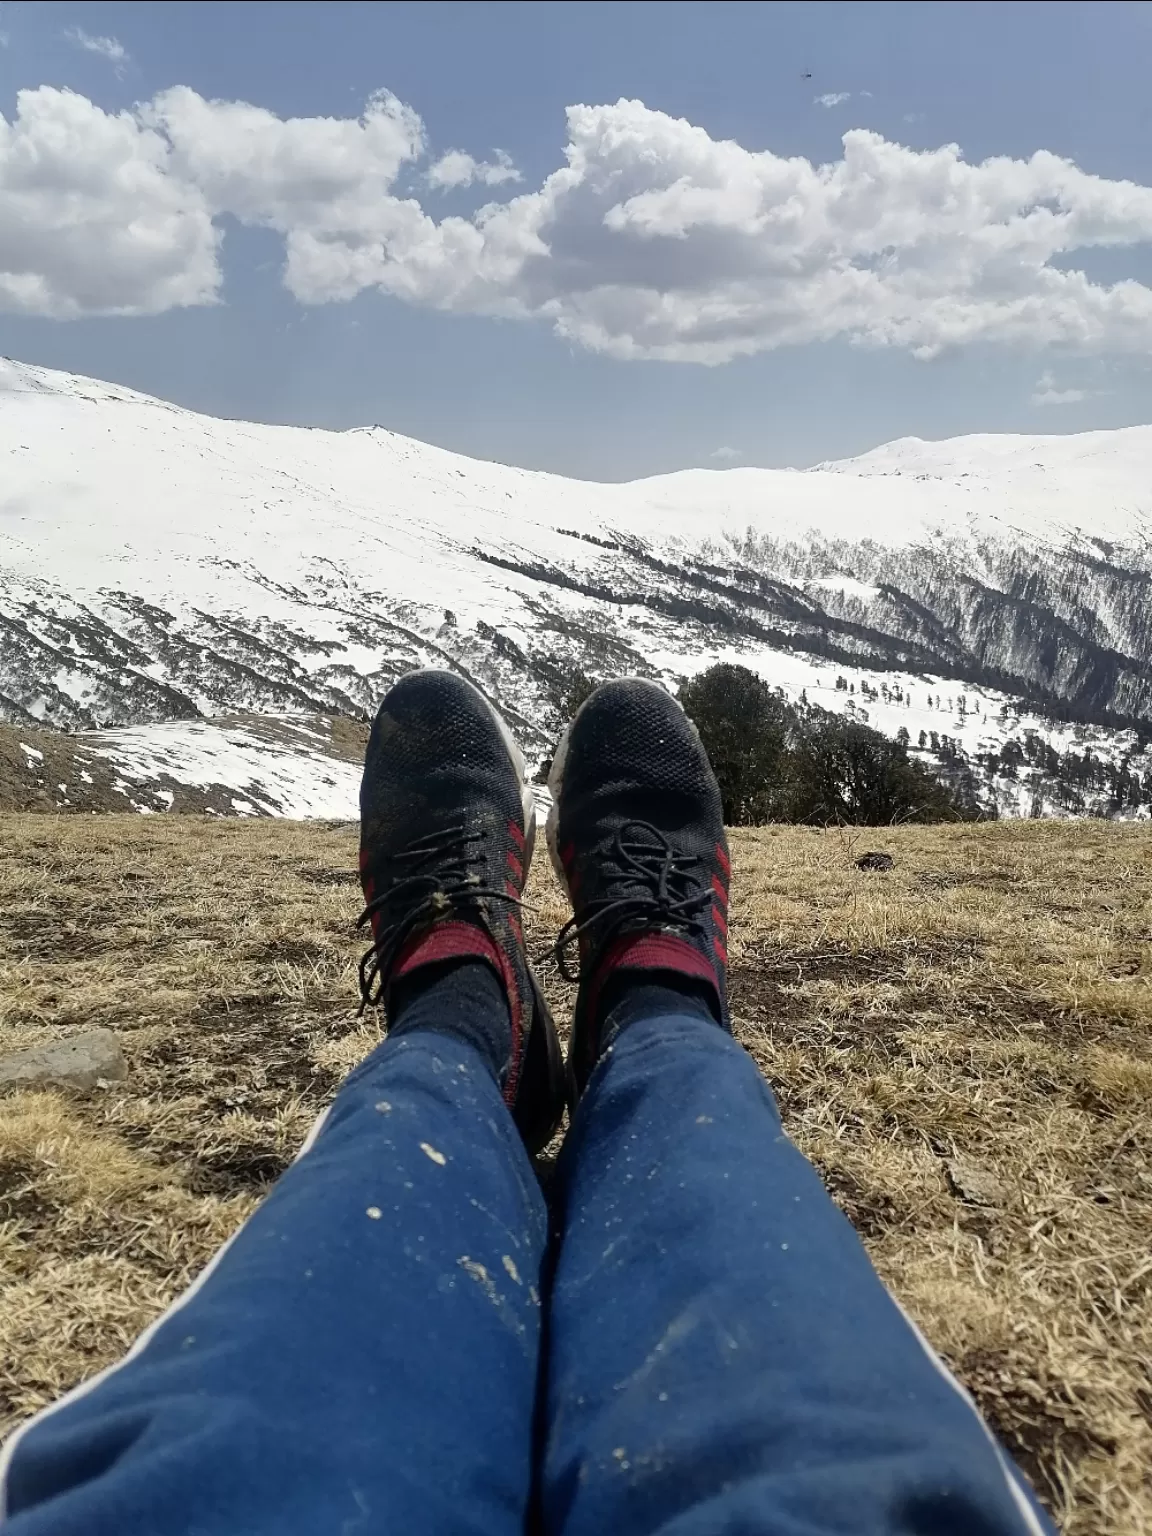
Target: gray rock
{"x": 973, "y": 1184}
{"x": 79, "y": 1062}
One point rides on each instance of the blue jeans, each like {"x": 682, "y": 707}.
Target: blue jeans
{"x": 396, "y": 1341}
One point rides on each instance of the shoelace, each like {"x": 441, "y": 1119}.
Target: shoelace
{"x": 659, "y": 885}
{"x": 440, "y": 880}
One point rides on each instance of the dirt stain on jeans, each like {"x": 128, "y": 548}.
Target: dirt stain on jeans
{"x": 506, "y": 1312}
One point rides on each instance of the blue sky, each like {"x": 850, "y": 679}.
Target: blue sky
{"x": 697, "y": 295}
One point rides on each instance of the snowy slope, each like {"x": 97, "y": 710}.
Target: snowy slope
{"x": 158, "y": 565}
{"x": 242, "y": 766}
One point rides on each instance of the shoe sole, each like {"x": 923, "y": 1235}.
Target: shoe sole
{"x": 556, "y": 776}
{"x": 515, "y": 756}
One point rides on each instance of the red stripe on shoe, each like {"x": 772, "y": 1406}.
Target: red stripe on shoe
{"x": 720, "y": 950}
{"x": 723, "y": 860}
{"x": 571, "y": 874}
{"x": 366, "y": 881}
{"x": 451, "y": 940}
{"x": 516, "y": 832}
{"x": 448, "y": 940}
{"x": 721, "y": 893}
{"x": 655, "y": 952}
{"x": 516, "y": 868}
{"x": 650, "y": 952}
{"x": 720, "y": 921}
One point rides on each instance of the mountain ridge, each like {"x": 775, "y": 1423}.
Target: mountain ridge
{"x": 158, "y": 564}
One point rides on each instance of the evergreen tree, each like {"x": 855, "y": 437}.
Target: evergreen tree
{"x": 744, "y": 726}
{"x": 776, "y": 762}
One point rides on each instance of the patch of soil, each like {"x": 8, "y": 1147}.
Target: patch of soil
{"x": 287, "y": 951}
{"x": 871, "y": 1211}
{"x": 20, "y": 1200}
{"x": 328, "y": 876}
{"x": 237, "y": 1049}
{"x": 349, "y": 737}
{"x": 234, "y": 1170}
{"x": 39, "y": 935}
{"x": 848, "y": 966}
{"x": 1041, "y": 1425}
{"x": 1020, "y": 1010}
{"x": 250, "y": 1055}
{"x": 768, "y": 986}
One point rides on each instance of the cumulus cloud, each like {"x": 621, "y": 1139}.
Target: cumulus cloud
{"x": 1047, "y": 393}
{"x": 458, "y": 169}
{"x": 109, "y": 48}
{"x": 284, "y": 173}
{"x": 652, "y": 239}
{"x": 725, "y": 452}
{"x": 834, "y": 98}
{"x": 95, "y": 219}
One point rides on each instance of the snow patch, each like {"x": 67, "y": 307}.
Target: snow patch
{"x": 293, "y": 776}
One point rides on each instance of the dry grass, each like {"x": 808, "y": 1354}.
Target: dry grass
{"x": 962, "y": 1046}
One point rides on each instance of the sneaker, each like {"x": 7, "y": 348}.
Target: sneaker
{"x": 446, "y": 834}
{"x": 636, "y": 834}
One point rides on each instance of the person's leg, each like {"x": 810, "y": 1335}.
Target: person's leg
{"x": 722, "y": 1357}
{"x": 363, "y": 1355}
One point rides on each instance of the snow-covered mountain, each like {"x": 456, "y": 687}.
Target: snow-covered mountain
{"x": 159, "y": 565}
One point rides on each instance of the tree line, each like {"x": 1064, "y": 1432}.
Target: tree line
{"x": 794, "y": 762}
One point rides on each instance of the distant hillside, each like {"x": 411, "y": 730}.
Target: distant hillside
{"x": 158, "y": 565}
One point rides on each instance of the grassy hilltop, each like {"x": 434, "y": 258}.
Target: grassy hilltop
{"x": 961, "y": 1045}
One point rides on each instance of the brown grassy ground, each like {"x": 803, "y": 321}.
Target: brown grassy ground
{"x": 961, "y": 1045}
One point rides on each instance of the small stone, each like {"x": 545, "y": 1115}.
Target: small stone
{"x": 881, "y": 862}
{"x": 973, "y": 1184}
{"x": 79, "y": 1062}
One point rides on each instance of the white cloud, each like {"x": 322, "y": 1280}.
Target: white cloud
{"x": 833, "y": 98}
{"x": 285, "y": 173}
{"x": 1046, "y": 392}
{"x": 109, "y": 48}
{"x": 458, "y": 169}
{"x": 725, "y": 452}
{"x": 94, "y": 218}
{"x": 652, "y": 240}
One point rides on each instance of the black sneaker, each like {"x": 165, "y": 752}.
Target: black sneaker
{"x": 636, "y": 833}
{"x": 446, "y": 834}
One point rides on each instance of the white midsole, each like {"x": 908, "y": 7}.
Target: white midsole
{"x": 555, "y": 789}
